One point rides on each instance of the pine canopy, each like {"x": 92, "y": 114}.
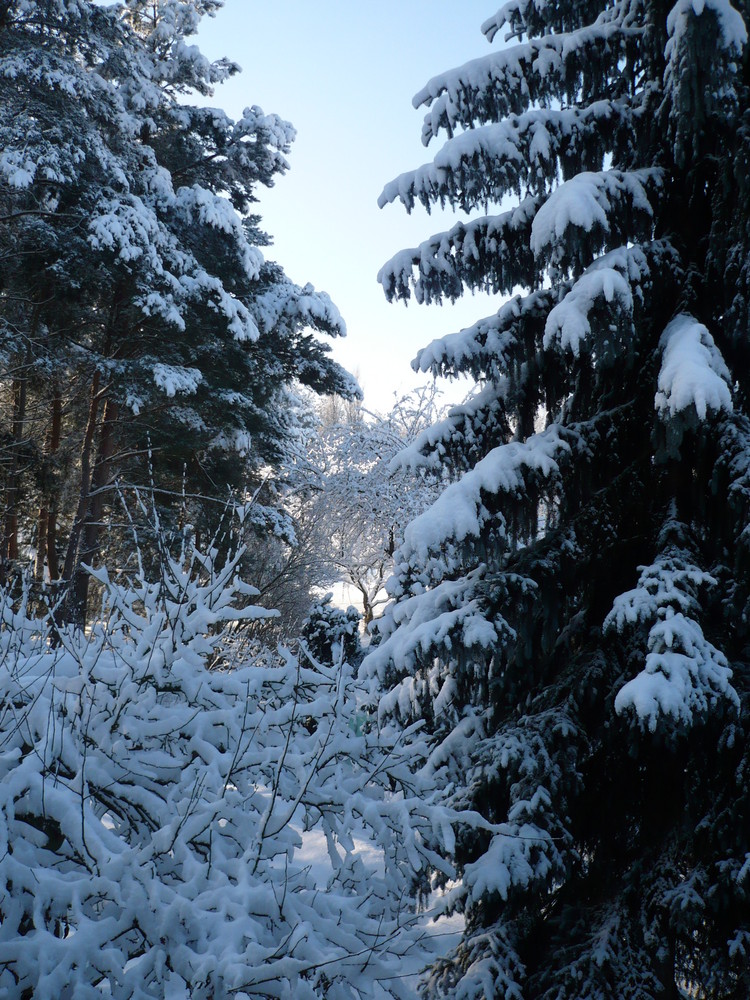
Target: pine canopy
{"x": 571, "y": 618}
{"x": 137, "y": 310}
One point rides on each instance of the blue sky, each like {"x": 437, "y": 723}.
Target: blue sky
{"x": 344, "y": 73}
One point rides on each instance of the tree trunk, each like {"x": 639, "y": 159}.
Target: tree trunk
{"x": 41, "y": 542}
{"x": 367, "y": 608}
{"x": 9, "y": 545}
{"x": 665, "y": 970}
{"x": 53, "y": 565}
{"x": 91, "y": 533}
{"x": 67, "y": 611}
{"x": 83, "y": 544}
{"x": 47, "y": 521}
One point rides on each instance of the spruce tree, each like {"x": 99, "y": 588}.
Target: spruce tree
{"x": 571, "y": 617}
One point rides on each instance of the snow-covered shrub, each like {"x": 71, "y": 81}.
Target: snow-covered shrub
{"x": 163, "y": 793}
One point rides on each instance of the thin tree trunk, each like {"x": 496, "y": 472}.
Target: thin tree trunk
{"x": 53, "y": 565}
{"x": 72, "y": 551}
{"x": 41, "y": 542}
{"x": 47, "y": 521}
{"x": 665, "y": 971}
{"x": 9, "y": 546}
{"x": 73, "y": 611}
{"x": 367, "y": 609}
{"x": 91, "y": 533}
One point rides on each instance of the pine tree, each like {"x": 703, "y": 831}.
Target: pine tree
{"x": 571, "y": 617}
{"x": 137, "y": 307}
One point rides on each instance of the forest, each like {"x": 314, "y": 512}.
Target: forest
{"x": 519, "y": 767}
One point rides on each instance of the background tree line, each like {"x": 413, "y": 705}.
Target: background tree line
{"x": 144, "y": 338}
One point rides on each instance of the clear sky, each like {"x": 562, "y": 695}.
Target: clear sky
{"x": 344, "y": 73}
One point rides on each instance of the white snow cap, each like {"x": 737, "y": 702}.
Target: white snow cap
{"x": 685, "y": 675}
{"x": 586, "y": 200}
{"x": 609, "y": 279}
{"x": 173, "y": 379}
{"x": 693, "y": 372}
{"x": 731, "y": 24}
{"x": 459, "y": 513}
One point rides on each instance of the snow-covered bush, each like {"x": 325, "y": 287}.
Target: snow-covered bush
{"x": 164, "y": 789}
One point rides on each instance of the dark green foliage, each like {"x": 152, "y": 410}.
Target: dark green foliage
{"x": 331, "y": 633}
{"x": 138, "y": 316}
{"x": 572, "y": 618}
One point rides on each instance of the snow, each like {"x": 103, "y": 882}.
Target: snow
{"x": 487, "y": 348}
{"x": 16, "y": 169}
{"x": 585, "y": 202}
{"x": 445, "y": 615}
{"x": 693, "y": 372}
{"x": 509, "y": 12}
{"x": 513, "y": 859}
{"x": 457, "y": 351}
{"x": 430, "y": 445}
{"x": 517, "y": 151}
{"x": 134, "y": 403}
{"x": 445, "y": 256}
{"x": 288, "y": 305}
{"x": 128, "y": 227}
{"x": 158, "y": 182}
{"x": 459, "y": 511}
{"x": 274, "y": 130}
{"x": 684, "y": 676}
{"x": 169, "y": 804}
{"x": 217, "y": 212}
{"x": 670, "y": 581}
{"x": 733, "y": 32}
{"x": 513, "y": 76}
{"x": 610, "y": 278}
{"x": 173, "y": 380}
{"x": 163, "y": 305}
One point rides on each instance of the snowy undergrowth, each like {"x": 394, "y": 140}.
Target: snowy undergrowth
{"x": 186, "y": 814}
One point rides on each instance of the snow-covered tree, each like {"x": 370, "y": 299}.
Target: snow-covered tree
{"x": 347, "y": 505}
{"x": 572, "y": 616}
{"x": 185, "y": 814}
{"x": 364, "y": 503}
{"x": 136, "y": 307}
